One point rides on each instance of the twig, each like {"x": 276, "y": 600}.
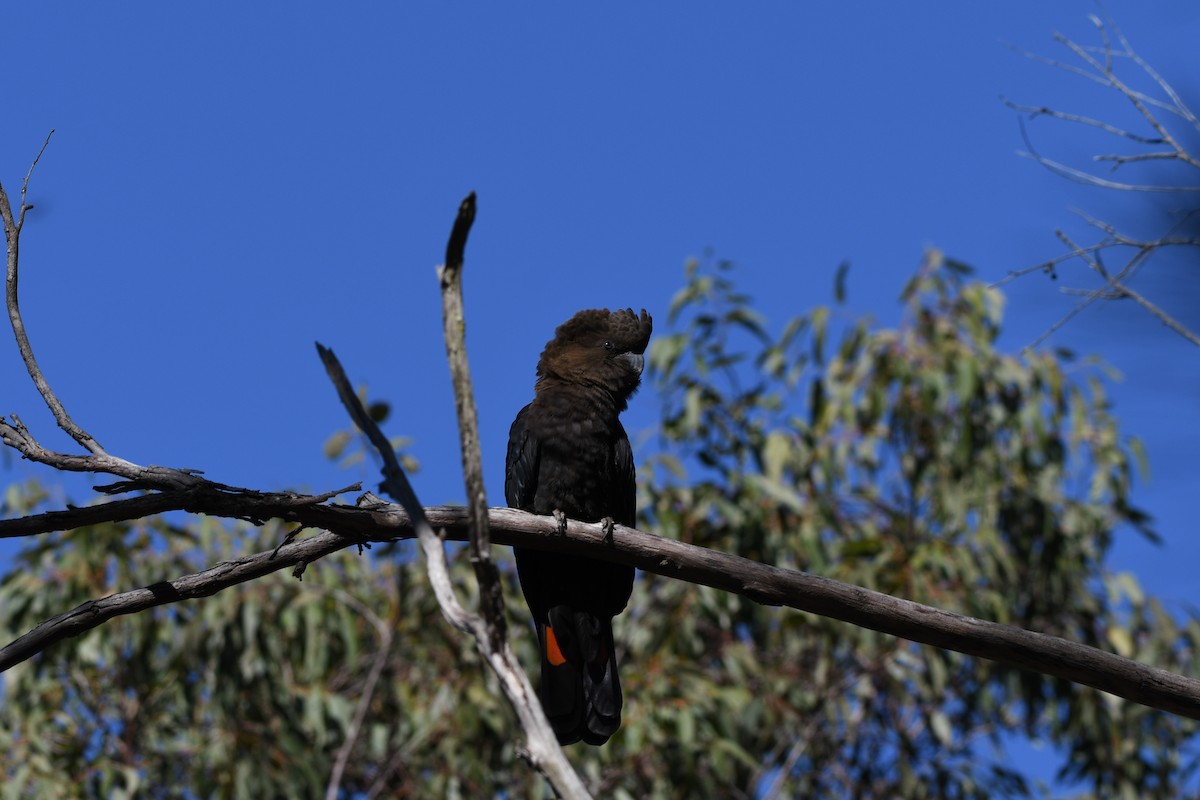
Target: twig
{"x": 789, "y": 763}
{"x": 1105, "y": 74}
{"x": 25, "y": 206}
{"x": 1159, "y": 314}
{"x": 384, "y": 631}
{"x": 1117, "y": 285}
{"x": 1089, "y": 257}
{"x": 1100, "y": 66}
{"x": 1134, "y": 97}
{"x": 1113, "y": 239}
{"x": 395, "y": 483}
{"x": 1064, "y": 320}
{"x": 1046, "y": 111}
{"x": 16, "y": 435}
{"x": 1177, "y": 105}
{"x": 207, "y": 582}
{"x": 12, "y": 235}
{"x": 1119, "y": 160}
{"x": 394, "y": 478}
{"x": 1083, "y": 73}
{"x": 1118, "y": 238}
{"x": 1086, "y": 178}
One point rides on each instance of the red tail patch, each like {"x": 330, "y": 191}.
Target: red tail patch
{"x": 553, "y": 654}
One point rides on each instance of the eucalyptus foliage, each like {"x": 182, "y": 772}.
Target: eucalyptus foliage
{"x": 922, "y": 461}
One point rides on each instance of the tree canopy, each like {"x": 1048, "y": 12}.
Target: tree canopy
{"x": 921, "y": 460}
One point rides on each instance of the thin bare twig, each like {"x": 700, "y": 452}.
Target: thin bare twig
{"x": 1088, "y": 179}
{"x": 1104, "y": 73}
{"x": 1158, "y": 313}
{"x": 1117, "y": 285}
{"x": 1135, "y": 97}
{"x": 12, "y": 236}
{"x": 1070, "y": 315}
{"x": 385, "y": 633}
{"x": 1176, "y": 106}
{"x": 1083, "y": 73}
{"x": 1116, "y": 237}
{"x": 1100, "y": 65}
{"x": 1119, "y": 160}
{"x": 26, "y": 206}
{"x": 797, "y": 749}
{"x": 1113, "y": 239}
{"x": 1089, "y": 256}
{"x": 1034, "y": 112}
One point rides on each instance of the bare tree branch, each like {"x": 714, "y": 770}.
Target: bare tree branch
{"x": 16, "y": 435}
{"x": 385, "y": 633}
{"x": 1134, "y": 97}
{"x": 762, "y": 583}
{"x": 244, "y": 504}
{"x": 1113, "y": 239}
{"x": 491, "y": 596}
{"x": 1070, "y": 315}
{"x": 12, "y": 234}
{"x": 1116, "y": 286}
{"x": 1104, "y": 73}
{"x": 1176, "y": 106}
{"x": 544, "y": 752}
{"x": 1045, "y": 111}
{"x": 1119, "y": 282}
{"x": 1088, "y": 179}
{"x": 1100, "y": 64}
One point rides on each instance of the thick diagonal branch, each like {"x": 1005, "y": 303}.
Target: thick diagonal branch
{"x": 544, "y": 752}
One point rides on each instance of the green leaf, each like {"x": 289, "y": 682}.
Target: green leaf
{"x": 839, "y": 282}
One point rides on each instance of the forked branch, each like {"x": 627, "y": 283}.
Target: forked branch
{"x": 1100, "y": 64}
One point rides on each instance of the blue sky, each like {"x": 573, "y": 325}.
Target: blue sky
{"x": 230, "y": 182}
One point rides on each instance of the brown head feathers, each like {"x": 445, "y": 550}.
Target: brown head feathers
{"x": 597, "y": 348}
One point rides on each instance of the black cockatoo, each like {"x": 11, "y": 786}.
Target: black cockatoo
{"x": 569, "y": 456}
